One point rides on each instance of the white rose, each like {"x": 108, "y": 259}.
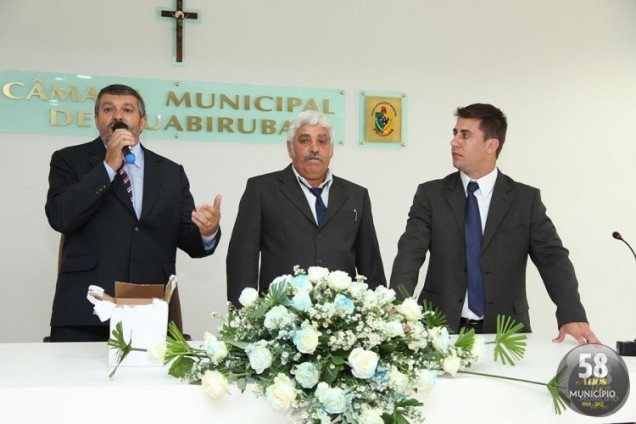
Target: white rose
{"x": 339, "y": 280}
{"x": 259, "y": 356}
{"x": 334, "y": 400}
{"x": 282, "y": 393}
{"x": 398, "y": 381}
{"x": 410, "y": 309}
{"x": 363, "y": 362}
{"x": 451, "y": 364}
{"x": 479, "y": 348}
{"x": 426, "y": 379}
{"x": 317, "y": 273}
{"x": 440, "y": 337}
{"x": 208, "y": 339}
{"x": 156, "y": 354}
{"x": 217, "y": 351}
{"x": 371, "y": 416}
{"x": 320, "y": 389}
{"x": 214, "y": 383}
{"x": 278, "y": 317}
{"x": 306, "y": 374}
{"x": 306, "y": 340}
{"x": 385, "y": 295}
{"x": 248, "y": 296}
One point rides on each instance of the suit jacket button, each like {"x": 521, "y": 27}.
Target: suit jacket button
{"x": 318, "y": 261}
{"x": 318, "y": 236}
{"x": 136, "y": 229}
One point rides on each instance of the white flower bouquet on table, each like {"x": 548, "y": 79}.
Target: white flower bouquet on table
{"x": 329, "y": 349}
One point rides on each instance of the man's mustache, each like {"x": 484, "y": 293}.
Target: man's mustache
{"x": 313, "y": 155}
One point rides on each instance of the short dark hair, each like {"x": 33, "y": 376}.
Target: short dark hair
{"x": 121, "y": 90}
{"x": 493, "y": 122}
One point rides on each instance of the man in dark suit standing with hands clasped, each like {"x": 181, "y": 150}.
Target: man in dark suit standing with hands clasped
{"x": 473, "y": 277}
{"x": 303, "y": 215}
{"x": 121, "y": 219}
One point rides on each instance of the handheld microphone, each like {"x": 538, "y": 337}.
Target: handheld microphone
{"x": 126, "y": 150}
{"x": 627, "y": 348}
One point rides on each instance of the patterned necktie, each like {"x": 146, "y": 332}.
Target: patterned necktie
{"x": 321, "y": 209}
{"x": 472, "y": 229}
{"x": 126, "y": 178}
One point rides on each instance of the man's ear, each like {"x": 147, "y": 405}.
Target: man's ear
{"x": 492, "y": 144}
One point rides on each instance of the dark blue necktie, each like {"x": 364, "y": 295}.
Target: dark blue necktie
{"x": 472, "y": 229}
{"x": 321, "y": 209}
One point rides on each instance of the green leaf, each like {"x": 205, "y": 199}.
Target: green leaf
{"x": 403, "y": 291}
{"x": 181, "y": 367}
{"x": 559, "y": 400}
{"x": 509, "y": 345}
{"x": 466, "y": 338}
{"x": 330, "y": 373}
{"x": 433, "y": 317}
{"x": 277, "y": 294}
{"x": 176, "y": 345}
{"x": 241, "y": 383}
{"x": 259, "y": 312}
{"x": 116, "y": 341}
{"x": 408, "y": 402}
{"x": 387, "y": 348}
{"x": 240, "y": 345}
{"x": 338, "y": 360}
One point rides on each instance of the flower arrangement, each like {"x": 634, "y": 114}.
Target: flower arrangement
{"x": 329, "y": 349}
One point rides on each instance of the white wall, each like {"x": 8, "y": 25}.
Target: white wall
{"x": 563, "y": 71}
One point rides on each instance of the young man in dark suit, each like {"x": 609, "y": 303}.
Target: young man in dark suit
{"x": 514, "y": 225}
{"x": 120, "y": 221}
{"x": 303, "y": 215}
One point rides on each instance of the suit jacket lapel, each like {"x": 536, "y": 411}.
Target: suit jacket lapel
{"x": 456, "y": 198}
{"x": 152, "y": 173}
{"x": 290, "y": 188}
{"x": 499, "y": 205}
{"x": 337, "y": 197}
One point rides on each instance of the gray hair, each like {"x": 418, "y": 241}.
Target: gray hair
{"x": 309, "y": 117}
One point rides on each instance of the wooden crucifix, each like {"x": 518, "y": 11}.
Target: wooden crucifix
{"x": 179, "y": 15}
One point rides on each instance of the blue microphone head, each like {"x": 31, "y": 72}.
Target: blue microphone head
{"x": 130, "y": 158}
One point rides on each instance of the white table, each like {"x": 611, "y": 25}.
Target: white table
{"x": 68, "y": 382}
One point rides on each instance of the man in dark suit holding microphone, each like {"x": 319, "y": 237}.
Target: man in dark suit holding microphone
{"x": 120, "y": 219}
{"x": 303, "y": 215}
{"x": 474, "y": 277}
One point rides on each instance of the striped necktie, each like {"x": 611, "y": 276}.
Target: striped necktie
{"x": 126, "y": 178}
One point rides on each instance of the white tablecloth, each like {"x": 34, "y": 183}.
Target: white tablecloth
{"x": 68, "y": 382}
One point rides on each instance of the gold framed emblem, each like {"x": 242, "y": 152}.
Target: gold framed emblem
{"x": 382, "y": 118}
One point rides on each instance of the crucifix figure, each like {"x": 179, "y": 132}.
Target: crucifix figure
{"x": 179, "y": 15}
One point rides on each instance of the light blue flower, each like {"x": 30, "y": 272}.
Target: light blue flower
{"x": 343, "y": 304}
{"x": 301, "y": 283}
{"x": 301, "y": 301}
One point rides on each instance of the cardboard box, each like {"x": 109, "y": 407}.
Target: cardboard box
{"x": 143, "y": 311}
